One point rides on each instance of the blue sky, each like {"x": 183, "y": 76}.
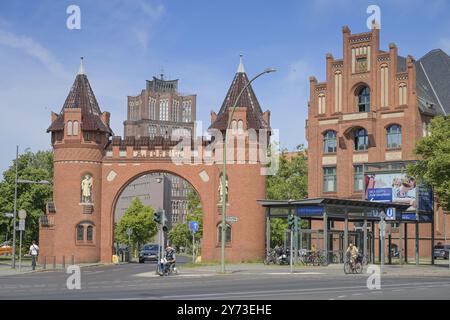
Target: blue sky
{"x": 125, "y": 42}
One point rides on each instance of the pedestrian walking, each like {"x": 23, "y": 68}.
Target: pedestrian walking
{"x": 34, "y": 252}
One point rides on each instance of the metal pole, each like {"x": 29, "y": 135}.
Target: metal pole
{"x": 417, "y": 229}
{"x": 372, "y": 256}
{"x": 325, "y": 234}
{"x": 193, "y": 247}
{"x": 224, "y": 172}
{"x": 432, "y": 239}
{"x": 382, "y": 248}
{"x": 365, "y": 238}
{"x": 15, "y": 211}
{"x": 296, "y": 225}
{"x": 390, "y": 245}
{"x": 291, "y": 253}
{"x": 400, "y": 243}
{"x": 268, "y": 234}
{"x": 344, "y": 251}
{"x": 406, "y": 242}
{"x": 20, "y": 252}
{"x": 417, "y": 243}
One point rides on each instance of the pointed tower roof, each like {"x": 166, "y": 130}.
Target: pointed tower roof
{"x": 247, "y": 100}
{"x": 82, "y": 96}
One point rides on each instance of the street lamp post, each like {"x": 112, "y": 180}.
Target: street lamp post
{"x": 224, "y": 171}
{"x": 17, "y": 181}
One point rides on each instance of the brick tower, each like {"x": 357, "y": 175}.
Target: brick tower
{"x": 80, "y": 133}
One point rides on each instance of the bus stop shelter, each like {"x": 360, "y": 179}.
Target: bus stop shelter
{"x": 333, "y": 209}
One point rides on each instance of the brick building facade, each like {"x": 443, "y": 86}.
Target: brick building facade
{"x": 373, "y": 107}
{"x": 91, "y": 170}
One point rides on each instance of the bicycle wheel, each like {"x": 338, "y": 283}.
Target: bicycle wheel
{"x": 347, "y": 267}
{"x": 323, "y": 261}
{"x": 358, "y": 268}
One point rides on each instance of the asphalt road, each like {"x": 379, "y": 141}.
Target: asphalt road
{"x": 138, "y": 281}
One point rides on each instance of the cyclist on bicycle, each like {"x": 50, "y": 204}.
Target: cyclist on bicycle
{"x": 353, "y": 252}
{"x": 169, "y": 258}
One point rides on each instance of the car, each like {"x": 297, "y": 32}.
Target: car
{"x": 441, "y": 251}
{"x": 149, "y": 253}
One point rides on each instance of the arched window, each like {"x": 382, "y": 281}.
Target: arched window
{"x": 364, "y": 99}
{"x": 90, "y": 233}
{"x": 227, "y": 233}
{"x": 240, "y": 127}
{"x": 384, "y": 85}
{"x": 69, "y": 128}
{"x": 402, "y": 94}
{"x": 394, "y": 136}
{"x": 329, "y": 142}
{"x": 321, "y": 103}
{"x": 75, "y": 128}
{"x": 80, "y": 232}
{"x": 361, "y": 139}
{"x": 233, "y": 126}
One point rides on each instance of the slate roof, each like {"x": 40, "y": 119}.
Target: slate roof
{"x": 247, "y": 100}
{"x": 82, "y": 96}
{"x": 433, "y": 83}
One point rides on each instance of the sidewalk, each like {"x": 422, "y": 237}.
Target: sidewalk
{"x": 6, "y": 270}
{"x": 332, "y": 269}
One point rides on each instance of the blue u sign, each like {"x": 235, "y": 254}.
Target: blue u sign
{"x": 193, "y": 226}
{"x": 390, "y": 214}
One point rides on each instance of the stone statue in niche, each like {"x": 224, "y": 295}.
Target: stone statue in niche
{"x": 221, "y": 191}
{"x": 86, "y": 189}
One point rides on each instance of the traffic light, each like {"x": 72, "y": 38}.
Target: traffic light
{"x": 291, "y": 222}
{"x": 157, "y": 217}
{"x": 165, "y": 228}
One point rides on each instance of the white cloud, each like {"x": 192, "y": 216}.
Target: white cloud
{"x": 33, "y": 49}
{"x": 153, "y": 11}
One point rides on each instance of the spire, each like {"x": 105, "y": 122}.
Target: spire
{"x": 81, "y": 70}
{"x": 247, "y": 101}
{"x": 81, "y": 96}
{"x": 241, "y": 65}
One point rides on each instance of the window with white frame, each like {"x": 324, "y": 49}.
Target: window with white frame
{"x": 187, "y": 111}
{"x": 175, "y": 110}
{"x": 164, "y": 110}
{"x": 152, "y": 108}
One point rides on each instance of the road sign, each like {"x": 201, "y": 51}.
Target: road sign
{"x": 193, "y": 226}
{"x": 232, "y": 219}
{"x": 8, "y": 215}
{"x": 22, "y": 214}
{"x": 129, "y": 231}
{"x": 21, "y": 224}
{"x": 390, "y": 214}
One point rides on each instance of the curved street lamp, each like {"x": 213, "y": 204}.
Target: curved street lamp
{"x": 224, "y": 171}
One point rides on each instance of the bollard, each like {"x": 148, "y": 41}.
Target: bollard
{"x": 45, "y": 263}
{"x": 54, "y": 262}
{"x": 72, "y": 261}
{"x": 64, "y": 262}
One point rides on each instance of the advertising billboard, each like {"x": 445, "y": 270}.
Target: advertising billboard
{"x": 391, "y": 187}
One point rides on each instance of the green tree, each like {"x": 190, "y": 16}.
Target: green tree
{"x": 434, "y": 166}
{"x": 290, "y": 183}
{"x": 139, "y": 218}
{"x": 30, "y": 197}
{"x": 291, "y": 180}
{"x": 180, "y": 235}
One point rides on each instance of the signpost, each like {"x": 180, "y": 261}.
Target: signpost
{"x": 22, "y": 217}
{"x": 382, "y": 226}
{"x": 232, "y": 219}
{"x": 193, "y": 226}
